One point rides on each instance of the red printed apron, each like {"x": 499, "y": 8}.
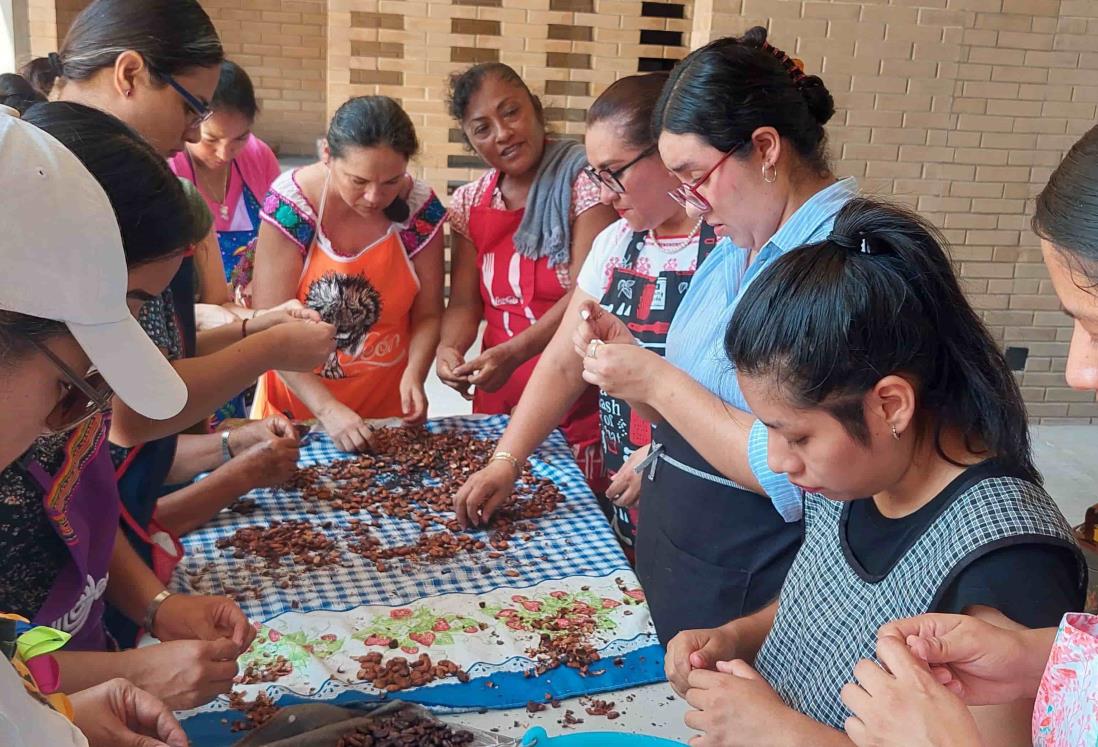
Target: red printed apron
{"x": 81, "y": 501}
{"x": 368, "y": 297}
{"x": 517, "y": 291}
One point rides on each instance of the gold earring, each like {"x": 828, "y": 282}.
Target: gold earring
{"x": 770, "y": 177}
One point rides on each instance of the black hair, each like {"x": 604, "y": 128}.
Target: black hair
{"x": 631, "y": 101}
{"x": 17, "y": 93}
{"x": 879, "y": 296}
{"x": 465, "y": 84}
{"x": 729, "y": 88}
{"x": 152, "y": 212}
{"x": 1067, "y": 208}
{"x": 19, "y": 332}
{"x": 171, "y": 35}
{"x": 369, "y": 122}
{"x": 235, "y": 92}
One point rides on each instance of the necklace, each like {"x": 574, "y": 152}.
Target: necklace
{"x": 679, "y": 246}
{"x": 222, "y": 208}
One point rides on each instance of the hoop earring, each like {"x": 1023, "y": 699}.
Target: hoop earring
{"x": 770, "y": 177}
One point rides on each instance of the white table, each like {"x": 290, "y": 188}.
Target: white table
{"x": 655, "y": 710}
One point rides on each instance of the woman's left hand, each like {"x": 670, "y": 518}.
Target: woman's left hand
{"x": 623, "y": 370}
{"x": 903, "y": 705}
{"x": 202, "y": 617}
{"x": 734, "y": 707}
{"x": 413, "y": 400}
{"x": 256, "y": 432}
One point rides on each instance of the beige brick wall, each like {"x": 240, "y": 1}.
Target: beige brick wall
{"x": 959, "y": 108}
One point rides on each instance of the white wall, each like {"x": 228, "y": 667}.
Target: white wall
{"x": 7, "y": 37}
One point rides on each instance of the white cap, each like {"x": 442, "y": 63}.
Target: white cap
{"x": 63, "y": 259}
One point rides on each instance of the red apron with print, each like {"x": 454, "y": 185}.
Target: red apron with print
{"x": 517, "y": 291}
{"x": 375, "y": 290}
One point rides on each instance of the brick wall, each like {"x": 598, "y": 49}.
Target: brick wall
{"x": 960, "y": 108}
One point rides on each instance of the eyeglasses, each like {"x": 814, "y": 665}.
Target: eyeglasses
{"x": 687, "y": 195}
{"x": 200, "y": 111}
{"x": 85, "y": 396}
{"x": 612, "y": 179}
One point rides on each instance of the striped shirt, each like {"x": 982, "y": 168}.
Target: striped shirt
{"x": 695, "y": 342}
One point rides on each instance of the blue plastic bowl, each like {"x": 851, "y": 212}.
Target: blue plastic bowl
{"x": 537, "y": 737}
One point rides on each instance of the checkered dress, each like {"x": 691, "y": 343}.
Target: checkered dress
{"x": 828, "y": 614}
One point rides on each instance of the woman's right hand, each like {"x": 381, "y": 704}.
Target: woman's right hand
{"x": 185, "y": 674}
{"x": 119, "y": 714}
{"x": 625, "y": 485}
{"x": 981, "y": 662}
{"x": 282, "y": 314}
{"x": 266, "y": 464}
{"x": 302, "y": 345}
{"x": 484, "y": 492}
{"x": 598, "y": 324}
{"x": 448, "y": 358}
{"x": 350, "y": 432}
{"x": 696, "y": 649}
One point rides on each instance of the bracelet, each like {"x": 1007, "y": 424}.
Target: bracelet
{"x": 506, "y": 456}
{"x": 243, "y": 328}
{"x": 153, "y": 608}
{"x": 226, "y": 450}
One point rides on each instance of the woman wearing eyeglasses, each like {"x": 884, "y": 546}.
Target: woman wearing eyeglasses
{"x": 639, "y": 269}
{"x": 59, "y": 513}
{"x": 520, "y": 234}
{"x": 742, "y": 127}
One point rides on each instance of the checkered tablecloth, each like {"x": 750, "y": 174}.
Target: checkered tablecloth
{"x": 572, "y": 549}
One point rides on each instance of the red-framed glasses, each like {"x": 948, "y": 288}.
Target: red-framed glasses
{"x": 687, "y": 195}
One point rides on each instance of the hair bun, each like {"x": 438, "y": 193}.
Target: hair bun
{"x": 819, "y": 99}
{"x": 754, "y": 37}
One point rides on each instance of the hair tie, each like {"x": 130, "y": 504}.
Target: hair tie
{"x": 56, "y": 65}
{"x": 859, "y": 243}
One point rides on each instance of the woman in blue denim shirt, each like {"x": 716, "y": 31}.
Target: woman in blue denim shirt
{"x": 742, "y": 126}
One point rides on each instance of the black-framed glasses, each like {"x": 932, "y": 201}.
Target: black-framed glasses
{"x": 86, "y": 395}
{"x": 687, "y": 195}
{"x": 200, "y": 111}
{"x": 612, "y": 179}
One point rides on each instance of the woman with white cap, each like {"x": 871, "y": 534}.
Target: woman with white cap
{"x": 58, "y": 559}
{"x": 68, "y": 337}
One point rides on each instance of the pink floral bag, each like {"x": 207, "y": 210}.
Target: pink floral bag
{"x": 1066, "y": 711}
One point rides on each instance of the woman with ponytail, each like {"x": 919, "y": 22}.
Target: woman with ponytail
{"x": 889, "y": 403}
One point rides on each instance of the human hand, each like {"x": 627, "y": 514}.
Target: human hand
{"x": 291, "y": 311}
{"x": 485, "y": 491}
{"x": 735, "y": 707}
{"x": 627, "y": 372}
{"x": 696, "y": 649}
{"x": 211, "y": 316}
{"x": 294, "y": 306}
{"x": 185, "y": 674}
{"x": 258, "y": 431}
{"x": 903, "y": 705}
{"x": 346, "y": 427}
{"x": 598, "y": 324}
{"x": 265, "y": 464}
{"x": 491, "y": 369}
{"x": 301, "y": 345}
{"x": 202, "y": 617}
{"x": 413, "y": 400}
{"x": 978, "y": 661}
{"x": 625, "y": 485}
{"x": 117, "y": 713}
{"x": 446, "y": 360}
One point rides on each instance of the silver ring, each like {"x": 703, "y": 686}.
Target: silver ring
{"x": 593, "y": 348}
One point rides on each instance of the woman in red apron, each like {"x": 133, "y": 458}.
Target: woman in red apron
{"x": 68, "y": 312}
{"x": 520, "y": 233}
{"x": 639, "y": 268}
{"x": 368, "y": 259}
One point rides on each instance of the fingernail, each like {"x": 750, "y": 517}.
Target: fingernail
{"x": 585, "y": 314}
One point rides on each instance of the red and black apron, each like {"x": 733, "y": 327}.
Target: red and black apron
{"x": 647, "y": 304}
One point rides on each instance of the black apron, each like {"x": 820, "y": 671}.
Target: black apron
{"x": 708, "y": 551}
{"x": 647, "y": 304}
